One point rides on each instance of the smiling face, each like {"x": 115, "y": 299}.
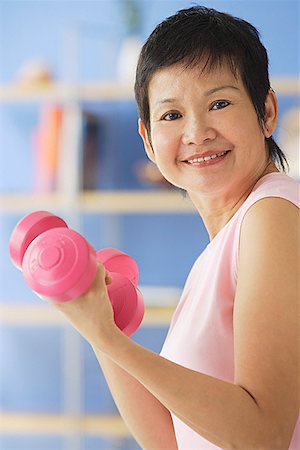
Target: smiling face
{"x": 205, "y": 134}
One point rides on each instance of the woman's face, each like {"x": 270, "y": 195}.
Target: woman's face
{"x": 205, "y": 134}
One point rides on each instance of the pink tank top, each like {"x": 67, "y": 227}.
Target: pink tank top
{"x": 201, "y": 331}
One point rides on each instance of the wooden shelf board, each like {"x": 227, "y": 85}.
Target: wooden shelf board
{"x": 102, "y": 91}
{"x": 28, "y": 423}
{"x": 112, "y": 202}
{"x": 60, "y": 92}
{"x": 47, "y": 315}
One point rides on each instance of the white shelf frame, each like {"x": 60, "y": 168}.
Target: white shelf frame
{"x": 102, "y": 91}
{"x": 74, "y": 202}
{"x": 106, "y": 202}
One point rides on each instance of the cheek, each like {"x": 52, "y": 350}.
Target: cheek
{"x": 164, "y": 143}
{"x": 250, "y": 134}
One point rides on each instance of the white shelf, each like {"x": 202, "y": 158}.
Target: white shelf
{"x": 46, "y": 315}
{"x": 111, "y": 202}
{"x": 101, "y": 91}
{"x": 286, "y": 85}
{"x": 34, "y": 424}
{"x": 108, "y": 202}
{"x": 59, "y": 92}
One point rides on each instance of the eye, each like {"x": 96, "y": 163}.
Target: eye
{"x": 172, "y": 115}
{"x": 219, "y": 104}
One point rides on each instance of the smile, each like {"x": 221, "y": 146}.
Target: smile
{"x": 206, "y": 158}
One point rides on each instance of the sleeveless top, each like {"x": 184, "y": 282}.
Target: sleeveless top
{"x": 201, "y": 331}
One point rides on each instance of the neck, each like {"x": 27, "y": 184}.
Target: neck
{"x": 217, "y": 210}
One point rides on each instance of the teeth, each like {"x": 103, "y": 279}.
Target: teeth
{"x": 206, "y": 158}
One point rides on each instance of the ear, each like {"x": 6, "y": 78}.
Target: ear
{"x": 147, "y": 144}
{"x": 271, "y": 114}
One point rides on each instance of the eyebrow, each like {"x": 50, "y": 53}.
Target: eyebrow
{"x": 220, "y": 88}
{"x": 206, "y": 94}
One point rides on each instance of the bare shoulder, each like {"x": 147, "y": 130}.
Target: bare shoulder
{"x": 272, "y": 213}
{"x": 268, "y": 271}
{"x": 270, "y": 237}
{"x": 266, "y": 311}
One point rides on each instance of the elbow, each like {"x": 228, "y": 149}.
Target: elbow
{"x": 274, "y": 434}
{"x": 279, "y": 438}
{"x": 267, "y": 438}
{"x": 277, "y": 442}
{"x": 274, "y": 442}
{"x": 264, "y": 430}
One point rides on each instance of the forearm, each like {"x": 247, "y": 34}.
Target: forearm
{"x": 221, "y": 412}
{"x": 147, "y": 419}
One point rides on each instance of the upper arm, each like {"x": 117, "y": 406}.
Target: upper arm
{"x": 266, "y": 311}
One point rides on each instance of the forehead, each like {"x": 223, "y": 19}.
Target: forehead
{"x": 176, "y": 78}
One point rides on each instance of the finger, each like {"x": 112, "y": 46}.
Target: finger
{"x": 104, "y": 274}
{"x": 108, "y": 277}
{"x": 103, "y": 277}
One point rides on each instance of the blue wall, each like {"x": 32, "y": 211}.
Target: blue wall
{"x": 37, "y": 30}
{"x": 30, "y": 28}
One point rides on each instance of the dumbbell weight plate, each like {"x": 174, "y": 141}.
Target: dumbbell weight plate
{"x": 60, "y": 265}
{"x": 27, "y": 229}
{"x": 138, "y": 315}
{"x": 117, "y": 261}
{"x": 127, "y": 302}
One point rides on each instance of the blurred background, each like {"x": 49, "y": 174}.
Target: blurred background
{"x": 69, "y": 145}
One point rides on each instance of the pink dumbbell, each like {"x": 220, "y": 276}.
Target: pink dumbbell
{"x": 60, "y": 265}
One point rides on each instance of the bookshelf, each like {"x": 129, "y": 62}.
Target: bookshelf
{"x": 113, "y": 202}
{"x": 71, "y": 201}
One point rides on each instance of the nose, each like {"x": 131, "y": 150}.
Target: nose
{"x": 197, "y": 130}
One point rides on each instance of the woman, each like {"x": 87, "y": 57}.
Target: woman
{"x": 227, "y": 376}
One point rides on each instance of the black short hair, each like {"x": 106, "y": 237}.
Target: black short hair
{"x": 212, "y": 38}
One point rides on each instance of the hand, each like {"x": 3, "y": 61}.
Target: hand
{"x": 92, "y": 313}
